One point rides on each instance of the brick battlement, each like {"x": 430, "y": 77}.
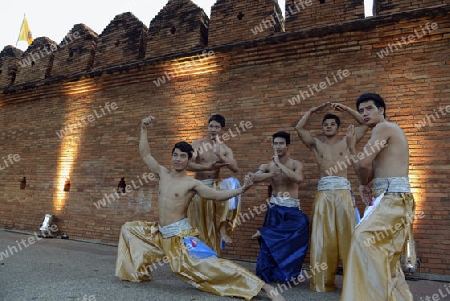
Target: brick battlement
{"x": 181, "y": 26}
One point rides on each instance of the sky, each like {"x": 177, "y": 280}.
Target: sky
{"x": 54, "y": 19}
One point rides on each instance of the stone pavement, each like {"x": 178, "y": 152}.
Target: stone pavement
{"x": 60, "y": 269}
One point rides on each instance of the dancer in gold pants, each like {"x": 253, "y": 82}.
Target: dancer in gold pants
{"x": 202, "y": 213}
{"x": 143, "y": 244}
{"x": 373, "y": 270}
{"x": 210, "y": 156}
{"x": 333, "y": 223}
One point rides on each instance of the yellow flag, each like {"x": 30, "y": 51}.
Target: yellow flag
{"x": 25, "y": 33}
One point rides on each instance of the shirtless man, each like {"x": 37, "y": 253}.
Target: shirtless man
{"x": 373, "y": 270}
{"x": 333, "y": 213}
{"x": 142, "y": 244}
{"x": 210, "y": 155}
{"x": 284, "y": 236}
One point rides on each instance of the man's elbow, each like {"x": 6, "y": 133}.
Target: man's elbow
{"x": 298, "y": 180}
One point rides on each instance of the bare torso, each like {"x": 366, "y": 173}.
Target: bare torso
{"x": 205, "y": 150}
{"x": 331, "y": 158}
{"x": 175, "y": 194}
{"x": 393, "y": 160}
{"x": 281, "y": 184}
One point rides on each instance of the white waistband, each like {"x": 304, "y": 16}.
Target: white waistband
{"x": 392, "y": 185}
{"x": 208, "y": 182}
{"x": 285, "y": 201}
{"x": 333, "y": 183}
{"x": 174, "y": 228}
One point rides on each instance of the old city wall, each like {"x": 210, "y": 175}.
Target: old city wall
{"x": 73, "y": 115}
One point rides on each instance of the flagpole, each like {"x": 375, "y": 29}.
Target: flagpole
{"x": 20, "y": 30}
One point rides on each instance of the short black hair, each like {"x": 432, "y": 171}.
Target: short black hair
{"x": 376, "y": 98}
{"x": 184, "y": 147}
{"x": 282, "y": 134}
{"x": 219, "y": 118}
{"x": 332, "y": 116}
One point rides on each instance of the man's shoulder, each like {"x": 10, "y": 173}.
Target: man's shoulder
{"x": 388, "y": 126}
{"x": 199, "y": 140}
{"x": 295, "y": 162}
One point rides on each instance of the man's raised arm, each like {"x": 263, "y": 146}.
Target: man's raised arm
{"x": 360, "y": 130}
{"x": 144, "y": 148}
{"x": 304, "y": 134}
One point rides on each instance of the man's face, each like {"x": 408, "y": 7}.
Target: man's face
{"x": 280, "y": 146}
{"x": 330, "y": 127}
{"x": 180, "y": 160}
{"x": 370, "y": 113}
{"x": 214, "y": 129}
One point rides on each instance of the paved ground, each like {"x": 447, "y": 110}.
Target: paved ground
{"x": 59, "y": 270}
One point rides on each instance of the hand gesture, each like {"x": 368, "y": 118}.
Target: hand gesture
{"x": 276, "y": 172}
{"x": 366, "y": 194}
{"x": 147, "y": 122}
{"x": 314, "y": 109}
{"x": 338, "y": 107}
{"x": 218, "y": 165}
{"x": 248, "y": 181}
{"x": 221, "y": 159}
{"x": 350, "y": 137}
{"x": 276, "y": 160}
{"x": 216, "y": 147}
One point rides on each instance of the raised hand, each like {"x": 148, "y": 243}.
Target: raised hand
{"x": 350, "y": 137}
{"x": 314, "y": 109}
{"x": 338, "y": 107}
{"x": 276, "y": 160}
{"x": 147, "y": 122}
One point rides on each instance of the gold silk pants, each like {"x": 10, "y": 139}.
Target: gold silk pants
{"x": 202, "y": 215}
{"x": 373, "y": 270}
{"x": 141, "y": 246}
{"x": 332, "y": 225}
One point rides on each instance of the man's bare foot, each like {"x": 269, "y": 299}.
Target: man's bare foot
{"x": 256, "y": 235}
{"x": 226, "y": 238}
{"x": 272, "y": 293}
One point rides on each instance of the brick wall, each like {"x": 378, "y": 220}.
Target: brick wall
{"x": 9, "y": 59}
{"x": 236, "y": 20}
{"x": 302, "y": 14}
{"x": 122, "y": 41}
{"x": 36, "y": 62}
{"x": 75, "y": 52}
{"x": 251, "y": 81}
{"x": 383, "y": 7}
{"x": 187, "y": 32}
